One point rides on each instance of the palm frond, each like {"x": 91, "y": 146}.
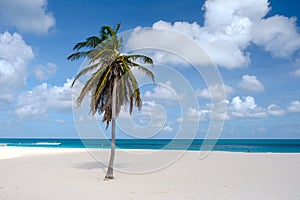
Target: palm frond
{"x": 86, "y": 70}
{"x": 93, "y": 41}
{"x": 142, "y": 69}
{"x": 110, "y": 72}
{"x": 107, "y": 30}
{"x": 98, "y": 54}
{"x": 90, "y": 42}
{"x": 146, "y": 59}
{"x": 76, "y": 56}
{"x": 89, "y": 85}
{"x": 117, "y": 27}
{"x": 79, "y": 45}
{"x": 136, "y": 91}
{"x": 101, "y": 83}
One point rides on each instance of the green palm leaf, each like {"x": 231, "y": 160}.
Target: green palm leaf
{"x": 111, "y": 84}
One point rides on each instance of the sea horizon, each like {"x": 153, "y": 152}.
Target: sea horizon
{"x": 231, "y": 145}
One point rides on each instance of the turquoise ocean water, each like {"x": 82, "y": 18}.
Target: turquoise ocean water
{"x": 233, "y": 145}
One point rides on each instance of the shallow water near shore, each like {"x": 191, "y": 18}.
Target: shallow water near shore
{"x": 233, "y": 145}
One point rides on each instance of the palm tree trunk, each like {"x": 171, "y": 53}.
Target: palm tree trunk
{"x": 110, "y": 170}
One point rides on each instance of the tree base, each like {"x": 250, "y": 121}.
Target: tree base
{"x": 107, "y": 178}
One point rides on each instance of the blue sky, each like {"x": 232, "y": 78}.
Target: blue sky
{"x": 255, "y": 46}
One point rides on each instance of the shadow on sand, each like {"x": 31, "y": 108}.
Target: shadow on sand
{"x": 97, "y": 165}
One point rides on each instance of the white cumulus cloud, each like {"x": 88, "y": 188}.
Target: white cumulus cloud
{"x": 163, "y": 91}
{"x": 14, "y": 55}
{"x": 230, "y": 27}
{"x": 194, "y": 114}
{"x": 251, "y": 83}
{"x": 167, "y": 128}
{"x": 43, "y": 72}
{"x": 275, "y": 110}
{"x": 237, "y": 108}
{"x": 148, "y": 122}
{"x": 217, "y": 91}
{"x": 294, "y": 106}
{"x": 278, "y": 35}
{"x": 43, "y": 98}
{"x": 28, "y": 16}
{"x": 246, "y": 108}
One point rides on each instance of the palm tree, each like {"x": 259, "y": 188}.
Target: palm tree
{"x": 112, "y": 83}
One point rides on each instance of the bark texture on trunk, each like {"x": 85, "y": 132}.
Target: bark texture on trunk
{"x": 110, "y": 169}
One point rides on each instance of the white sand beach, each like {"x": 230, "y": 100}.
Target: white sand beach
{"x": 60, "y": 174}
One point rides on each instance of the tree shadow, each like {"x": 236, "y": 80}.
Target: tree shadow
{"x": 97, "y": 165}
